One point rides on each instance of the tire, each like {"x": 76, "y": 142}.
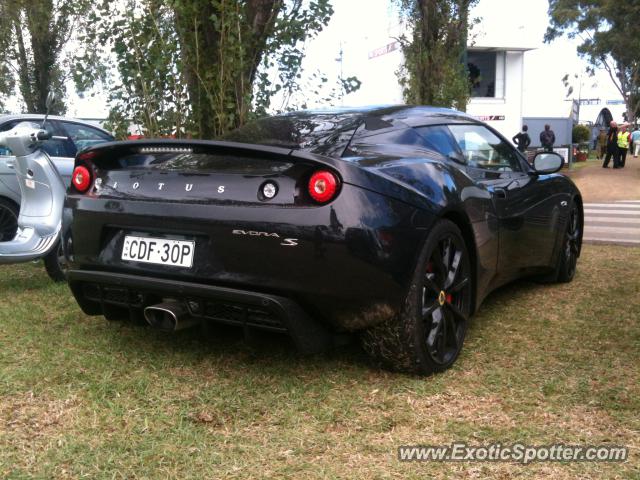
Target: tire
{"x": 427, "y": 335}
{"x": 56, "y": 264}
{"x": 571, "y": 245}
{"x": 9, "y": 213}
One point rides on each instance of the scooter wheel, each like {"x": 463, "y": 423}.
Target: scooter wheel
{"x": 56, "y": 264}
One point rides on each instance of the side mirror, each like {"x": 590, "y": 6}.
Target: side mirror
{"x": 547, "y": 162}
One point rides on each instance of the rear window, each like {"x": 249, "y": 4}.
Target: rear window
{"x": 324, "y": 134}
{"x": 53, "y": 147}
{"x": 439, "y": 138}
{"x": 84, "y": 136}
{"x": 202, "y": 163}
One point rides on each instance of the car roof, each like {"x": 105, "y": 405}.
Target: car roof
{"x": 411, "y": 115}
{"x": 329, "y": 131}
{"x": 39, "y": 116}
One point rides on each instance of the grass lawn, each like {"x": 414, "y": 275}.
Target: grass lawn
{"x": 84, "y": 398}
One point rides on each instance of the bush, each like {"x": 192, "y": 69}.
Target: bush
{"x": 580, "y": 134}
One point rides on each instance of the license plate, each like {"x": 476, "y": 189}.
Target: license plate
{"x": 160, "y": 251}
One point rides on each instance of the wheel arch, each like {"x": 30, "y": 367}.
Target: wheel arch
{"x": 578, "y": 199}
{"x": 461, "y": 220}
{"x": 11, "y": 201}
{"x": 4, "y": 200}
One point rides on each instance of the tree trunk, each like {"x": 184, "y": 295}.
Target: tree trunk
{"x": 200, "y": 42}
{"x": 36, "y": 61}
{"x": 222, "y": 57}
{"x": 435, "y": 60}
{"x": 44, "y": 48}
{"x": 24, "y": 78}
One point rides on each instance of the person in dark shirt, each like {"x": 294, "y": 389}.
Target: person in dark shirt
{"x": 547, "y": 138}
{"x": 612, "y": 146}
{"x": 522, "y": 139}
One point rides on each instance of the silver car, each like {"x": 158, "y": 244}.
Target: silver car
{"x": 79, "y": 135}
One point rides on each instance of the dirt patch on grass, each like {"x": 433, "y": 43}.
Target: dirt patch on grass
{"x": 599, "y": 184}
{"x": 33, "y": 416}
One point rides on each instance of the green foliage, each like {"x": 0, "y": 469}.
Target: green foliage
{"x": 434, "y": 72}
{"x": 33, "y": 37}
{"x": 199, "y": 67}
{"x": 580, "y": 134}
{"x": 317, "y": 88}
{"x": 147, "y": 87}
{"x": 610, "y": 30}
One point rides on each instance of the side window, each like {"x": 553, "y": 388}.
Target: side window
{"x": 403, "y": 136}
{"x": 439, "y": 138}
{"x": 83, "y": 136}
{"x": 55, "y": 148}
{"x": 481, "y": 148}
{"x": 4, "y": 151}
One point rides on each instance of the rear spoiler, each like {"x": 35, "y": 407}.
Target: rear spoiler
{"x": 106, "y": 155}
{"x": 105, "y": 152}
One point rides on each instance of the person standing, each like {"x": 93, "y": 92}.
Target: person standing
{"x": 612, "y": 145}
{"x": 623, "y": 146}
{"x": 522, "y": 139}
{"x": 635, "y": 141}
{"x": 602, "y": 144}
{"x": 547, "y": 138}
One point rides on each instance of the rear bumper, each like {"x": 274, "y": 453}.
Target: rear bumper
{"x": 97, "y": 292}
{"x": 349, "y": 270}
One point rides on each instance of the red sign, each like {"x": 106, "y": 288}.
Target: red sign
{"x": 490, "y": 118}
{"x": 378, "y": 52}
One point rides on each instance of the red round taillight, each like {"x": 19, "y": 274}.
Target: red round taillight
{"x": 323, "y": 186}
{"x": 81, "y": 178}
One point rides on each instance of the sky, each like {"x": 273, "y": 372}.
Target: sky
{"x": 358, "y": 27}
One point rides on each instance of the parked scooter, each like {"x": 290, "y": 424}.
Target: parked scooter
{"x": 43, "y": 192}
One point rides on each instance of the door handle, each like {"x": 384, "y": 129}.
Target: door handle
{"x": 500, "y": 193}
{"x": 11, "y": 164}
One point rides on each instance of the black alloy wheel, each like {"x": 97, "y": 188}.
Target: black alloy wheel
{"x": 571, "y": 244}
{"x": 8, "y": 220}
{"x": 446, "y": 296}
{"x": 427, "y": 335}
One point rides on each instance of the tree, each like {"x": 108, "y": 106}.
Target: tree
{"x": 139, "y": 39}
{"x": 33, "y": 37}
{"x": 435, "y": 71}
{"x": 610, "y": 33}
{"x": 219, "y": 51}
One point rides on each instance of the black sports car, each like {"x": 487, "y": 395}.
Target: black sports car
{"x": 393, "y": 222}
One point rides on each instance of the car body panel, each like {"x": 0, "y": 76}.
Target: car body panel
{"x": 348, "y": 263}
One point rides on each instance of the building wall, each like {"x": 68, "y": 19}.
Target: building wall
{"x": 562, "y": 128}
{"x": 507, "y": 110}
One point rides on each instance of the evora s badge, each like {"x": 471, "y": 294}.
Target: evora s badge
{"x": 285, "y": 242}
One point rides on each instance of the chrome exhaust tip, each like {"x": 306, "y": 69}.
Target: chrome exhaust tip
{"x": 169, "y": 317}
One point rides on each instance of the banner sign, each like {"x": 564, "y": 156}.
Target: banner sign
{"x": 490, "y": 118}
{"x": 378, "y": 52}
